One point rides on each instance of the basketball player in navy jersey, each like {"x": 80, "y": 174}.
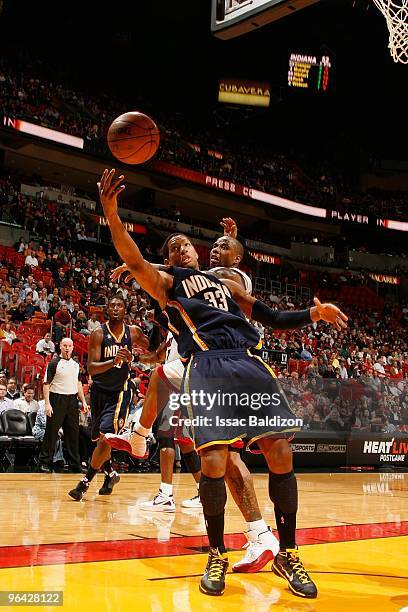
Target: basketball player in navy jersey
{"x": 109, "y": 358}
{"x": 261, "y": 546}
{"x": 215, "y": 337}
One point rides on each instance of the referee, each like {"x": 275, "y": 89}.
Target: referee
{"x": 61, "y": 388}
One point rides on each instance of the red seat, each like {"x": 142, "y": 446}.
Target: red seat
{"x": 5, "y": 349}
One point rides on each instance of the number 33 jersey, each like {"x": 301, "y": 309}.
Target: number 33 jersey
{"x": 203, "y": 316}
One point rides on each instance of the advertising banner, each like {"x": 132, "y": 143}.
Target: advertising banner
{"x": 378, "y": 449}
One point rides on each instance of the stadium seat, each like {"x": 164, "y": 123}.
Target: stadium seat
{"x": 31, "y": 417}
{"x": 5, "y": 349}
{"x": 14, "y": 423}
{"x": 5, "y": 444}
{"x": 40, "y": 315}
{"x": 22, "y": 443}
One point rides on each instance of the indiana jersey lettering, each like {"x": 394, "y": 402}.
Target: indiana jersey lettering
{"x": 114, "y": 378}
{"x": 201, "y": 310}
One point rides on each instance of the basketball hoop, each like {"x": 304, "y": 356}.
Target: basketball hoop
{"x": 396, "y": 15}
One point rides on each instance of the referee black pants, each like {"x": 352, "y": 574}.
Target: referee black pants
{"x": 64, "y": 414}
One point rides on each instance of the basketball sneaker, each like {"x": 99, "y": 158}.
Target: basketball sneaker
{"x": 193, "y": 502}
{"x": 160, "y": 503}
{"x": 130, "y": 441}
{"x": 79, "y": 491}
{"x": 260, "y": 549}
{"x": 109, "y": 482}
{"x": 288, "y": 565}
{"x": 213, "y": 581}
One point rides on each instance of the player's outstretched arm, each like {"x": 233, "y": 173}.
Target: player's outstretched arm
{"x": 230, "y": 227}
{"x": 150, "y": 279}
{"x": 124, "y": 269}
{"x": 281, "y": 319}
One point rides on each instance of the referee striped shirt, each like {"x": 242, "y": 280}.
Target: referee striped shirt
{"x": 62, "y": 375}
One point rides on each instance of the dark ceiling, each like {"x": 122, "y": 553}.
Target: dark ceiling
{"x": 165, "y": 52}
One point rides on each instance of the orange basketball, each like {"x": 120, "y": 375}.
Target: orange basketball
{"x": 133, "y": 138}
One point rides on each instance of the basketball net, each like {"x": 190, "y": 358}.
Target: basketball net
{"x": 396, "y": 15}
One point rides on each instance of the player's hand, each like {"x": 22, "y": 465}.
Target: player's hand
{"x": 123, "y": 354}
{"x": 117, "y": 273}
{"x": 109, "y": 189}
{"x": 329, "y": 313}
{"x": 230, "y": 227}
{"x": 48, "y": 410}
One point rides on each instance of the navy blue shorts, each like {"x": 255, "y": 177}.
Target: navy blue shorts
{"x": 231, "y": 395}
{"x": 109, "y": 409}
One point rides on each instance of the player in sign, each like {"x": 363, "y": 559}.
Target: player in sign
{"x": 216, "y": 341}
{"x": 109, "y": 358}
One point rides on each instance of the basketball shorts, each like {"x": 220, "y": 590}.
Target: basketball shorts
{"x": 109, "y": 410}
{"x": 172, "y": 374}
{"x": 231, "y": 395}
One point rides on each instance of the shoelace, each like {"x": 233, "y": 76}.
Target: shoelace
{"x": 298, "y": 568}
{"x": 252, "y": 550}
{"x": 216, "y": 570}
{"x": 161, "y": 496}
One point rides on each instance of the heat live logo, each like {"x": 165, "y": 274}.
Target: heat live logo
{"x": 388, "y": 451}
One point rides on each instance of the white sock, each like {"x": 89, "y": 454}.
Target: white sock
{"x": 167, "y": 489}
{"x": 143, "y": 431}
{"x": 258, "y": 526}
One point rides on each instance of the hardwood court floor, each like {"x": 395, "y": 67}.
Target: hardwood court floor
{"x": 106, "y": 554}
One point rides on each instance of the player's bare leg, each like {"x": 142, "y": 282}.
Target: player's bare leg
{"x": 134, "y": 442}
{"x": 284, "y": 495}
{"x": 163, "y": 501}
{"x": 261, "y": 546}
{"x": 101, "y": 457}
{"x": 192, "y": 461}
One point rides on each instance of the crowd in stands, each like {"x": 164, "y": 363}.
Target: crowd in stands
{"x": 24, "y": 95}
{"x": 336, "y": 381}
{"x": 71, "y": 224}
{"x": 335, "y": 378}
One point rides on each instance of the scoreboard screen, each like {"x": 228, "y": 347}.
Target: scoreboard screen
{"x": 309, "y": 71}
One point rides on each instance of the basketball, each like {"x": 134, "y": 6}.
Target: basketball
{"x": 133, "y": 138}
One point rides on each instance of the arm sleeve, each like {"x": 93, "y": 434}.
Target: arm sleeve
{"x": 279, "y": 319}
{"x": 51, "y": 370}
{"x": 154, "y": 338}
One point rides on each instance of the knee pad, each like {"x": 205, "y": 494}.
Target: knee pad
{"x": 192, "y": 461}
{"x": 283, "y": 491}
{"x": 166, "y": 443}
{"x": 213, "y": 495}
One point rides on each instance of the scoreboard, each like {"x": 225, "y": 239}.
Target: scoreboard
{"x": 309, "y": 72}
